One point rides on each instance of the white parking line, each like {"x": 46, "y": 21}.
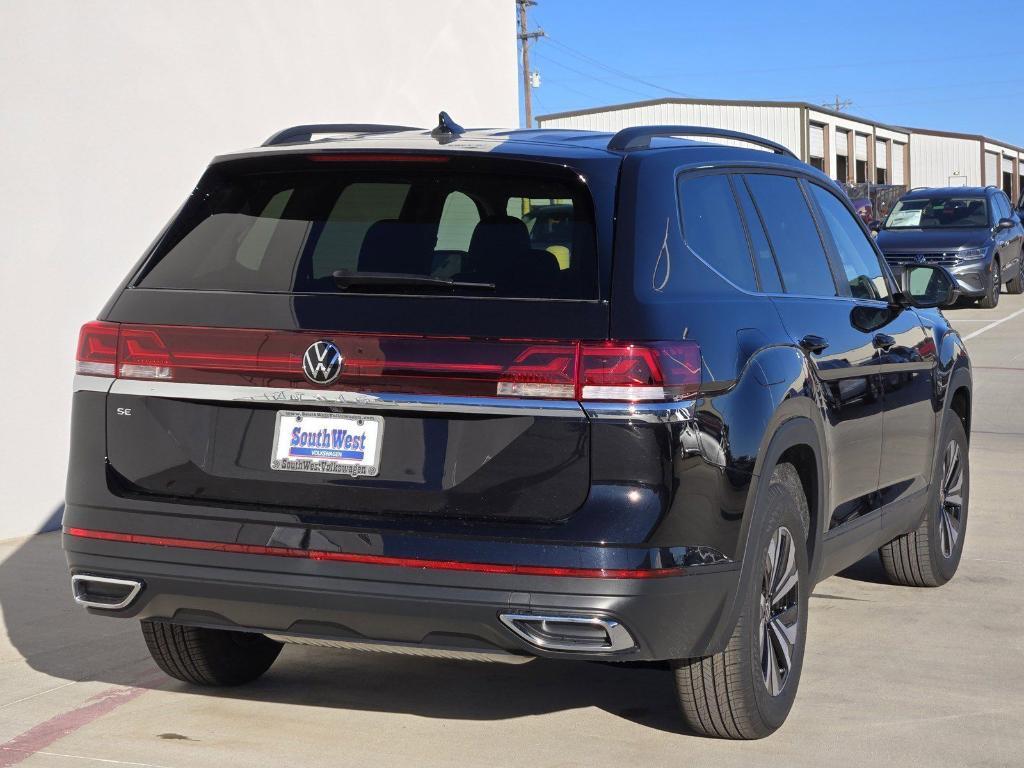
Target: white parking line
{"x": 992, "y": 325}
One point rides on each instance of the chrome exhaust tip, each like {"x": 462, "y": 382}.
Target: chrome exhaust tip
{"x": 104, "y": 592}
{"x": 582, "y": 634}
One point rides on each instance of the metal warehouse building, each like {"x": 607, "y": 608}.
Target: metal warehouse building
{"x": 850, "y": 149}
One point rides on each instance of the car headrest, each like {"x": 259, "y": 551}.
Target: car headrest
{"x": 397, "y": 246}
{"x": 499, "y": 236}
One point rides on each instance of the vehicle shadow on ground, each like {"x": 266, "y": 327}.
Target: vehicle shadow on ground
{"x": 868, "y": 569}
{"x": 61, "y": 640}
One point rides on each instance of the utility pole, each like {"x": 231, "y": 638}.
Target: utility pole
{"x": 525, "y": 37}
{"x": 839, "y": 106}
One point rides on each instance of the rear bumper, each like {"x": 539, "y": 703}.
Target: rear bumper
{"x": 670, "y": 617}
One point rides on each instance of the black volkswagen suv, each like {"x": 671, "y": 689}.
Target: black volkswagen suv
{"x": 973, "y": 231}
{"x": 346, "y": 399}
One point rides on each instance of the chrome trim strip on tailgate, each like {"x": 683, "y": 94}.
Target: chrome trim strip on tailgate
{"x": 336, "y": 398}
{"x": 680, "y": 411}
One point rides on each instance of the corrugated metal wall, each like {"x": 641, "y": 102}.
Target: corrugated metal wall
{"x": 937, "y": 159}
{"x": 913, "y": 158}
{"x": 781, "y": 124}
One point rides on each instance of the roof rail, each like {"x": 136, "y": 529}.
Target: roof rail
{"x": 639, "y": 137}
{"x": 298, "y": 134}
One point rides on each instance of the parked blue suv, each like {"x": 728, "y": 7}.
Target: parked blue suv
{"x": 973, "y": 231}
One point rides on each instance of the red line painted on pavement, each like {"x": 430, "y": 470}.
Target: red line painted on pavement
{"x": 41, "y": 736}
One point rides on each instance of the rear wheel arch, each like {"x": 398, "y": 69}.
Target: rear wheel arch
{"x": 960, "y": 404}
{"x": 798, "y": 442}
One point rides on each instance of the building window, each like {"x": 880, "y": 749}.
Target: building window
{"x": 842, "y": 169}
{"x": 816, "y": 145}
{"x": 1008, "y": 183}
{"x": 880, "y": 176}
{"x": 860, "y": 155}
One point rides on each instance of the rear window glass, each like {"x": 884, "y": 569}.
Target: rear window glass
{"x": 712, "y": 227}
{"x": 793, "y": 234}
{"x": 528, "y": 233}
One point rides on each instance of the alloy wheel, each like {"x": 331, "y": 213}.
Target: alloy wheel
{"x": 780, "y": 610}
{"x": 951, "y": 499}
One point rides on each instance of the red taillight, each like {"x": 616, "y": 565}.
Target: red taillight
{"x": 614, "y": 371}
{"x": 97, "y": 349}
{"x": 542, "y": 370}
{"x": 636, "y": 372}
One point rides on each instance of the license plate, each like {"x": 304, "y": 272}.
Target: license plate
{"x": 336, "y": 443}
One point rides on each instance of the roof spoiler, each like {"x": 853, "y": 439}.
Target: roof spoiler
{"x": 299, "y": 134}
{"x": 639, "y": 137}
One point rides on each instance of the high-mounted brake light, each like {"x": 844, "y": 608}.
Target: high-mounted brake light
{"x": 366, "y": 157}
{"x": 415, "y": 365}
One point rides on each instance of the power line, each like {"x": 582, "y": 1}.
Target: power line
{"x": 595, "y": 62}
{"x": 588, "y": 76}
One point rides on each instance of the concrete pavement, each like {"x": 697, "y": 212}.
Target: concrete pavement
{"x": 893, "y": 676}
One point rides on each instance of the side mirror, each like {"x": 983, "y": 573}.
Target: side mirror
{"x": 928, "y": 285}
{"x": 1005, "y": 224}
{"x": 875, "y": 225}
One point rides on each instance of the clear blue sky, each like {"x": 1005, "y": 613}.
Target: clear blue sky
{"x": 937, "y": 64}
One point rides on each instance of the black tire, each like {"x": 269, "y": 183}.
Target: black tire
{"x": 728, "y": 695}
{"x": 1016, "y": 284}
{"x": 929, "y": 555}
{"x": 214, "y": 657}
{"x": 995, "y": 286}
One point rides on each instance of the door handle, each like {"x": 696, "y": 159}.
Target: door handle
{"x": 883, "y": 341}
{"x": 813, "y": 343}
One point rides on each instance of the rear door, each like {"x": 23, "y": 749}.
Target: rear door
{"x": 904, "y": 353}
{"x": 254, "y": 376}
{"x": 822, "y": 317}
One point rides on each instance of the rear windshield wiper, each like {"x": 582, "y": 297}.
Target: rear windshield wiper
{"x": 345, "y": 280}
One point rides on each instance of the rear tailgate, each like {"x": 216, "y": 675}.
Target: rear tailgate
{"x": 212, "y": 402}
{"x": 408, "y": 444}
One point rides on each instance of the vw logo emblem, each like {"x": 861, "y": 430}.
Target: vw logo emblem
{"x": 920, "y": 258}
{"x": 322, "y": 362}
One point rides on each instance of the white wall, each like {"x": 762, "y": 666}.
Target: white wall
{"x": 109, "y": 112}
{"x": 934, "y": 159}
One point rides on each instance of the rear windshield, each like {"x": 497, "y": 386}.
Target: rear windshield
{"x": 938, "y": 213}
{"x": 505, "y": 229}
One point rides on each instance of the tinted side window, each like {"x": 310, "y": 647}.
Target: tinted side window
{"x": 861, "y": 265}
{"x": 712, "y": 227}
{"x": 1002, "y": 207}
{"x": 766, "y": 268}
{"x": 793, "y": 235}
